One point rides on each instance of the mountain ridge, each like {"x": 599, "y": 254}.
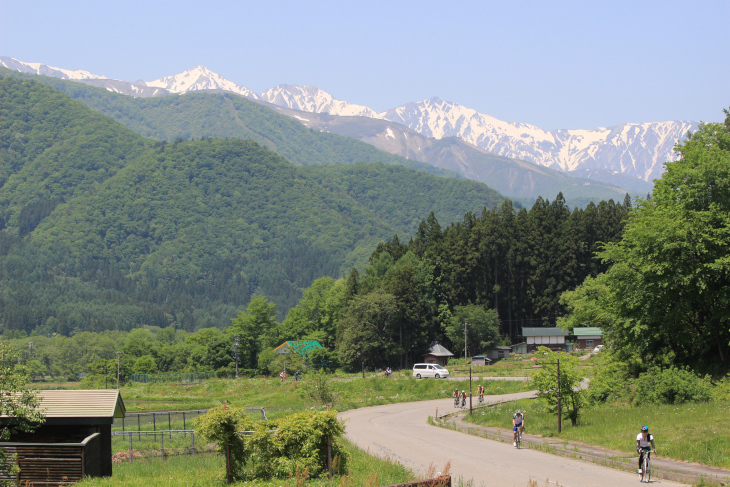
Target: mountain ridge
{"x": 633, "y": 150}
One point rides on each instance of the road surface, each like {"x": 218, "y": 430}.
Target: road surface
{"x": 401, "y": 432}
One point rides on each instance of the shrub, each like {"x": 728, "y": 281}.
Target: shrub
{"x": 612, "y": 382}
{"x": 289, "y": 446}
{"x": 671, "y": 386}
{"x": 318, "y": 388}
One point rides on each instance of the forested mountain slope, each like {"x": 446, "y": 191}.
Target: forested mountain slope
{"x": 106, "y": 229}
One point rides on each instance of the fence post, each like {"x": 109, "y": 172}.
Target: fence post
{"x": 139, "y": 428}
{"x": 162, "y": 446}
{"x": 329, "y": 456}
{"x": 122, "y": 423}
{"x": 184, "y": 427}
{"x": 154, "y": 424}
{"x": 193, "y": 437}
{"x": 130, "y": 447}
{"x": 169, "y": 424}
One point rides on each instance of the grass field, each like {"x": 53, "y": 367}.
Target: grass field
{"x": 690, "y": 432}
{"x": 209, "y": 470}
{"x": 282, "y": 398}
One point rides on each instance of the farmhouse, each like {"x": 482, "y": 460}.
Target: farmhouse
{"x": 74, "y": 442}
{"x": 552, "y": 337}
{"x": 588, "y": 337}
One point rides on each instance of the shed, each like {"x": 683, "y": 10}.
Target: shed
{"x": 551, "y": 337}
{"x": 588, "y": 337}
{"x": 496, "y": 353}
{"x": 480, "y": 360}
{"x": 437, "y": 354}
{"x": 519, "y": 348}
{"x": 74, "y": 442}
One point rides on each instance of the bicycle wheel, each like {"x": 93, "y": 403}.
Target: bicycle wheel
{"x": 519, "y": 439}
{"x": 645, "y": 468}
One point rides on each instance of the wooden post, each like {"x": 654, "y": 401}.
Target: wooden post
{"x": 470, "y": 409}
{"x": 329, "y": 456}
{"x": 130, "y": 447}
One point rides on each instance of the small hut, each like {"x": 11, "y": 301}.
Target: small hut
{"x": 74, "y": 442}
{"x": 437, "y": 354}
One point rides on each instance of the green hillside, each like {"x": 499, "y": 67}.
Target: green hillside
{"x": 104, "y": 229}
{"x": 225, "y": 115}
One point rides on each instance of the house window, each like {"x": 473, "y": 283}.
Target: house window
{"x": 500, "y": 353}
{"x": 589, "y": 343}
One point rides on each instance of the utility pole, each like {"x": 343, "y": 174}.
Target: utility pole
{"x": 118, "y": 355}
{"x": 465, "y": 355}
{"x": 235, "y": 348}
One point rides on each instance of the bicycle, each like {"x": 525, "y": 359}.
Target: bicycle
{"x": 456, "y": 401}
{"x": 463, "y": 402}
{"x": 646, "y": 465}
{"x": 481, "y": 400}
{"x": 518, "y": 437}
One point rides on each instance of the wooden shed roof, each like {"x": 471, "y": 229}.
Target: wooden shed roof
{"x": 81, "y": 406}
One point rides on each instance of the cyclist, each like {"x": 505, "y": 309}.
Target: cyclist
{"x": 463, "y": 398}
{"x": 480, "y": 391}
{"x": 643, "y": 441}
{"x": 518, "y": 422}
{"x": 455, "y": 395}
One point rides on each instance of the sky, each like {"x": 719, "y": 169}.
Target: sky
{"x": 553, "y": 64}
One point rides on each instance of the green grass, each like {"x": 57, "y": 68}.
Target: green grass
{"x": 209, "y": 470}
{"x": 694, "y": 432}
{"x": 283, "y": 398}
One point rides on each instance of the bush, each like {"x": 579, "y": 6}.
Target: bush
{"x": 318, "y": 388}
{"x": 671, "y": 386}
{"x": 613, "y": 382}
{"x": 289, "y": 446}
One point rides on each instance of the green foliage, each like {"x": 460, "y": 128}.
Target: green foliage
{"x": 482, "y": 332}
{"x": 221, "y": 425}
{"x": 324, "y": 359}
{"x": 548, "y": 383}
{"x": 18, "y": 402}
{"x": 319, "y": 388}
{"x": 281, "y": 448}
{"x": 671, "y": 386}
{"x": 666, "y": 294}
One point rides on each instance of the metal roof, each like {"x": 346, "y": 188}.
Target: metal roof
{"x": 588, "y": 330}
{"x": 103, "y": 404}
{"x": 439, "y": 350}
{"x": 543, "y": 332}
{"x": 302, "y": 347}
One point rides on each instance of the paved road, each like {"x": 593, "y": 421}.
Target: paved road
{"x": 401, "y": 432}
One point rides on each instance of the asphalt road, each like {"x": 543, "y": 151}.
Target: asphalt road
{"x": 401, "y": 432}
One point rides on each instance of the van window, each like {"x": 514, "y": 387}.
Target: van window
{"x": 420, "y": 366}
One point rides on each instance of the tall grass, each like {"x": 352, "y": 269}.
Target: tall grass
{"x": 693, "y": 432}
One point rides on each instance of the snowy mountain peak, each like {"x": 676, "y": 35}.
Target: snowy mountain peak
{"x": 45, "y": 70}
{"x": 197, "y": 79}
{"x": 312, "y": 99}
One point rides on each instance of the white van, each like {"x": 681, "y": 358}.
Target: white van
{"x": 422, "y": 371}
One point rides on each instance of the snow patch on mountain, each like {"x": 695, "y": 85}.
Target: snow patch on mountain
{"x": 312, "y": 99}
{"x": 45, "y": 70}
{"x": 197, "y": 79}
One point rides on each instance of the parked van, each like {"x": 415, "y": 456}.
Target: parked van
{"x": 422, "y": 371}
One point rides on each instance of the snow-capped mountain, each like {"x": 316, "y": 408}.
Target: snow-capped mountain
{"x": 636, "y": 150}
{"x": 312, "y": 99}
{"x": 45, "y": 70}
{"x": 198, "y": 79}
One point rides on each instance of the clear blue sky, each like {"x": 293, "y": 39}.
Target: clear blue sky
{"x": 554, "y": 64}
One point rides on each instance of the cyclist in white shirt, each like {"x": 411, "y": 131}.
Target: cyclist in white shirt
{"x": 518, "y": 421}
{"x": 643, "y": 441}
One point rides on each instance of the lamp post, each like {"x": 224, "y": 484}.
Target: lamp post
{"x": 560, "y": 411}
